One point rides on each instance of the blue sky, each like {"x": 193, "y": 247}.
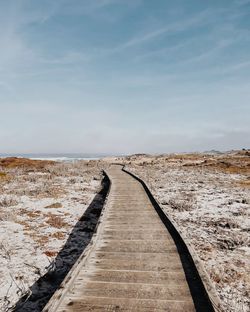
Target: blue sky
{"x": 124, "y": 76}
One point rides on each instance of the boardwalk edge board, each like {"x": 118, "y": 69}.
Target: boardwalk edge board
{"x": 58, "y": 296}
{"x": 179, "y": 236}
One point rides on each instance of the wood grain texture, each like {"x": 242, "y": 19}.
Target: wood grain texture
{"x": 133, "y": 265}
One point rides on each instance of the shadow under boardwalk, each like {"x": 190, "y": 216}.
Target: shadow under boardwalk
{"x": 43, "y": 289}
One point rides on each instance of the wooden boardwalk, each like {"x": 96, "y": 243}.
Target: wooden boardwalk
{"x": 133, "y": 263}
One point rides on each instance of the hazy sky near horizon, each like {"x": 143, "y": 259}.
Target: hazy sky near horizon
{"x": 124, "y": 76}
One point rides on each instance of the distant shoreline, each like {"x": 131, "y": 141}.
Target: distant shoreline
{"x": 56, "y": 157}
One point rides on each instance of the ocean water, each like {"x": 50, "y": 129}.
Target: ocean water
{"x": 67, "y": 157}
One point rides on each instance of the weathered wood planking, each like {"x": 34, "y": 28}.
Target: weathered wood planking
{"x": 133, "y": 263}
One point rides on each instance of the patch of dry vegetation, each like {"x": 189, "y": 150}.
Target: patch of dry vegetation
{"x": 41, "y": 239}
{"x": 183, "y": 202}
{"x": 8, "y": 201}
{"x": 31, "y": 214}
{"x": 245, "y": 183}
{"x": 56, "y": 221}
{"x": 234, "y": 163}
{"x": 208, "y": 197}
{"x": 50, "y": 253}
{"x": 58, "y": 235}
{"x": 24, "y": 163}
{"x": 230, "y": 165}
{"x": 3, "y": 175}
{"x": 55, "y": 205}
{"x": 40, "y": 202}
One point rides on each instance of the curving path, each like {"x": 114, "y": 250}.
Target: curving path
{"x": 133, "y": 263}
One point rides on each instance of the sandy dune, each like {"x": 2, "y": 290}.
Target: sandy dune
{"x": 207, "y": 195}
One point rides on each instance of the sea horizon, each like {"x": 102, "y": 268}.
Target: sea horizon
{"x": 57, "y": 156}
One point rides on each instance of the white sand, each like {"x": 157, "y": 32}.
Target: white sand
{"x": 212, "y": 210}
{"x": 31, "y": 235}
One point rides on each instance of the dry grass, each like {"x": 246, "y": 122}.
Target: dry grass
{"x": 58, "y": 235}
{"x": 43, "y": 190}
{"x": 50, "y": 253}
{"x": 190, "y": 157}
{"x": 217, "y": 227}
{"x": 8, "y": 215}
{"x": 42, "y": 240}
{"x": 3, "y": 175}
{"x": 25, "y": 163}
{"x": 33, "y": 232}
{"x": 55, "y": 205}
{"x": 56, "y": 221}
{"x": 183, "y": 202}
{"x": 8, "y": 201}
{"x": 31, "y": 214}
{"x": 26, "y": 225}
{"x": 230, "y": 164}
{"x": 244, "y": 183}
{"x": 227, "y": 275}
{"x": 26, "y": 187}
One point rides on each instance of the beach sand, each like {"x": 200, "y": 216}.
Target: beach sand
{"x": 207, "y": 195}
{"x": 40, "y": 202}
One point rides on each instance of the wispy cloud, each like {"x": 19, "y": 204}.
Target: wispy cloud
{"x": 175, "y": 27}
{"x": 81, "y": 67}
{"x": 238, "y": 66}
